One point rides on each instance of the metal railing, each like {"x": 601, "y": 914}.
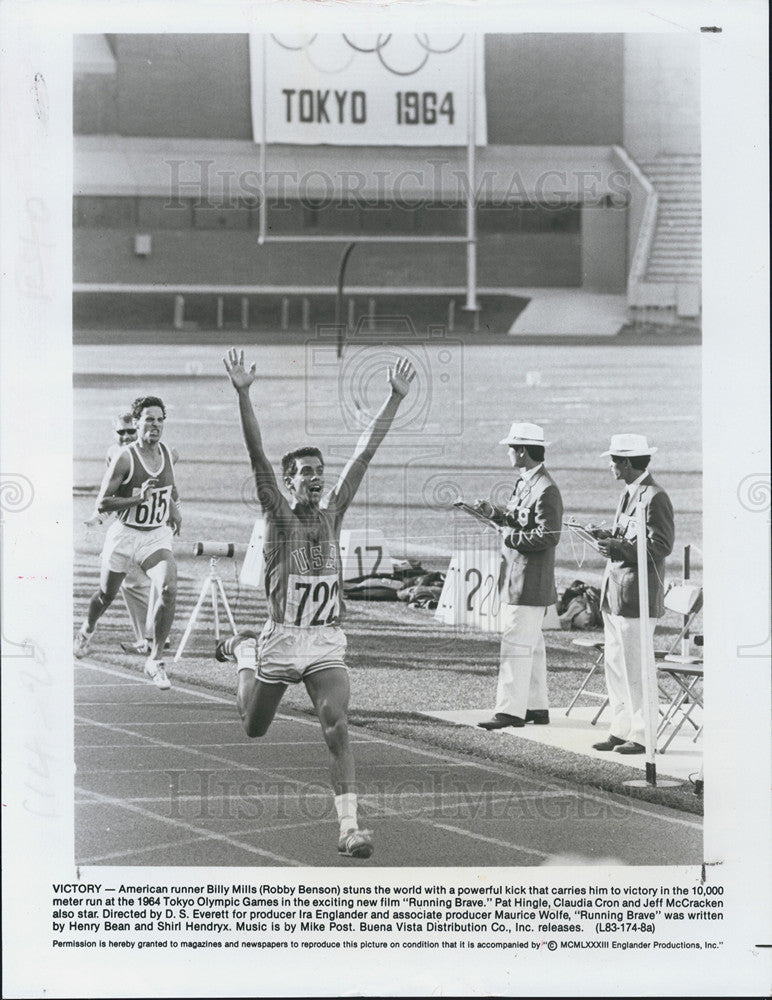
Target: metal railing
{"x": 648, "y": 225}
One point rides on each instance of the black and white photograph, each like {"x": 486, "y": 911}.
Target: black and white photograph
{"x": 385, "y": 500}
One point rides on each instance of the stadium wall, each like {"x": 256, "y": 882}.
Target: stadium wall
{"x": 661, "y": 95}
{"x": 554, "y": 89}
{"x": 233, "y": 257}
{"x": 197, "y": 86}
{"x": 604, "y": 248}
{"x": 562, "y": 100}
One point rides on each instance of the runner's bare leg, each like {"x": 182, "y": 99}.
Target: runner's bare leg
{"x": 257, "y": 702}
{"x": 329, "y": 691}
{"x": 162, "y": 570}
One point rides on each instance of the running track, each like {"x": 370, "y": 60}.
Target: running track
{"x": 169, "y": 778}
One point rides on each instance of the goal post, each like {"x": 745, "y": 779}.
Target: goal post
{"x": 469, "y": 239}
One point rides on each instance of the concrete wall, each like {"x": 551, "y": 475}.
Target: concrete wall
{"x": 641, "y": 91}
{"x": 661, "y": 94}
{"x": 635, "y": 210}
{"x": 604, "y": 248}
{"x": 554, "y": 89}
{"x": 180, "y": 86}
{"x": 233, "y": 257}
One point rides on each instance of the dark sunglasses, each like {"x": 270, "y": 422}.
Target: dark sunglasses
{"x": 126, "y": 430}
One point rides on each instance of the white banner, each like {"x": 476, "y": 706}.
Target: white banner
{"x": 367, "y": 90}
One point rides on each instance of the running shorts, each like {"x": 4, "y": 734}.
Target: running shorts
{"x": 286, "y": 654}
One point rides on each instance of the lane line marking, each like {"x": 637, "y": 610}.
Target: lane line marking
{"x": 495, "y": 841}
{"x": 316, "y": 766}
{"x": 323, "y": 796}
{"x": 211, "y": 746}
{"x": 655, "y": 811}
{"x": 181, "y": 824}
{"x": 116, "y": 855}
{"x": 194, "y": 751}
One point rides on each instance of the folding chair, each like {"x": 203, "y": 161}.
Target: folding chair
{"x": 684, "y": 669}
{"x": 686, "y": 600}
{"x": 587, "y": 642}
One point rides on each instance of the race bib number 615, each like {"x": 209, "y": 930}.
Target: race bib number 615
{"x": 154, "y": 509}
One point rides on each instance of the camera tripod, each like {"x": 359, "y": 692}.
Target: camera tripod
{"x": 212, "y": 585}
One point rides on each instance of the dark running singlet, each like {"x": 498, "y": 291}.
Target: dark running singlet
{"x": 302, "y": 563}
{"x": 153, "y": 512}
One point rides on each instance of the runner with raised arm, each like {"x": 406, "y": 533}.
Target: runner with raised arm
{"x": 302, "y": 639}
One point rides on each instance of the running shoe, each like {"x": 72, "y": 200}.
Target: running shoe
{"x": 141, "y": 648}
{"x": 356, "y": 844}
{"x": 156, "y": 672}
{"x": 82, "y": 639}
{"x": 225, "y": 650}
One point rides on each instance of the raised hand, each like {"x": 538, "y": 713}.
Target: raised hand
{"x": 147, "y": 486}
{"x": 241, "y": 377}
{"x": 400, "y": 376}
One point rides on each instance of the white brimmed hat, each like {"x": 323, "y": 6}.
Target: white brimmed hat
{"x": 525, "y": 434}
{"x": 629, "y": 446}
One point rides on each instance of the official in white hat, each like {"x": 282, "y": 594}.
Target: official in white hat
{"x": 629, "y": 446}
{"x": 630, "y": 455}
{"x": 531, "y": 524}
{"x": 525, "y": 434}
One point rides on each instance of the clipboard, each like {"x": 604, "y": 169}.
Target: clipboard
{"x": 580, "y": 532}
{"x": 467, "y": 509}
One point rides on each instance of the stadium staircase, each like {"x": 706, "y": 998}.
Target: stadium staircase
{"x": 673, "y": 272}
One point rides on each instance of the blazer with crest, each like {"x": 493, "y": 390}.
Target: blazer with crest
{"x": 535, "y": 515}
{"x": 619, "y": 589}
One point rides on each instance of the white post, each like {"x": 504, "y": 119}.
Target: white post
{"x": 263, "y": 182}
{"x": 648, "y": 667}
{"x": 687, "y": 574}
{"x": 471, "y": 140}
{"x": 213, "y": 586}
{"x": 179, "y": 311}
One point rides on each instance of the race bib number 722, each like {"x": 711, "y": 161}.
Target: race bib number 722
{"x": 312, "y": 600}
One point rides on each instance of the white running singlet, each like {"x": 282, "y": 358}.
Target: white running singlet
{"x": 154, "y": 509}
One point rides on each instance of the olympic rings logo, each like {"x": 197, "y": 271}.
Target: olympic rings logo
{"x": 331, "y": 54}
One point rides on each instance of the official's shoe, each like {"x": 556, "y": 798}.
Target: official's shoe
{"x": 225, "y": 650}
{"x": 157, "y": 673}
{"x": 630, "y": 747}
{"x": 608, "y": 744}
{"x": 538, "y": 716}
{"x": 81, "y": 643}
{"x": 356, "y": 844}
{"x": 502, "y": 721}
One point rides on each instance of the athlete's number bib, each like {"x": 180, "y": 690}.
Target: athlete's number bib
{"x": 153, "y": 511}
{"x": 312, "y": 600}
